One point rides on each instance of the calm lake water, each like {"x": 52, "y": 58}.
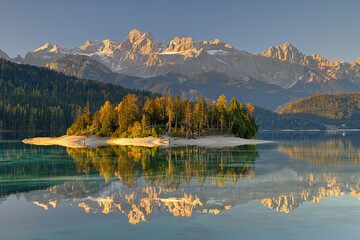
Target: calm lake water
{"x": 303, "y": 186}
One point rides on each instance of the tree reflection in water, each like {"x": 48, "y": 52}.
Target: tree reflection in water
{"x": 167, "y": 167}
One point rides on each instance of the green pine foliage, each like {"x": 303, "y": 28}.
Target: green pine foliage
{"x": 172, "y": 115}
{"x": 33, "y": 98}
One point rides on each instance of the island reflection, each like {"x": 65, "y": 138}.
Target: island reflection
{"x": 139, "y": 182}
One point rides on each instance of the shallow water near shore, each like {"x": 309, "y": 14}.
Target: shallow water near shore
{"x": 304, "y": 185}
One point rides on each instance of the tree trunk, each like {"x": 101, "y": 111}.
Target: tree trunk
{"x": 176, "y": 122}
{"x": 169, "y": 125}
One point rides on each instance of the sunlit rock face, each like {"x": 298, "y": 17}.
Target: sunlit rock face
{"x": 142, "y": 56}
{"x": 320, "y": 70}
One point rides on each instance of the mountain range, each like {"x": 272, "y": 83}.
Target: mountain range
{"x": 191, "y": 68}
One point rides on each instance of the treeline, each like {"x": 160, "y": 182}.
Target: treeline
{"x": 34, "y": 98}
{"x": 269, "y": 120}
{"x": 173, "y": 115}
{"x": 333, "y": 106}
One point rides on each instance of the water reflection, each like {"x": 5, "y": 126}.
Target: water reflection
{"x": 167, "y": 167}
{"x": 329, "y": 152}
{"x": 139, "y": 182}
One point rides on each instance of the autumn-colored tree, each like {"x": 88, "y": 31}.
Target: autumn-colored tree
{"x": 250, "y": 109}
{"x": 144, "y": 122}
{"x": 127, "y": 111}
{"x": 150, "y": 110}
{"x": 202, "y": 113}
{"x": 188, "y": 114}
{"x": 160, "y": 109}
{"x": 108, "y": 119}
{"x": 196, "y": 118}
{"x": 128, "y": 119}
{"x": 169, "y": 111}
{"x": 177, "y": 110}
{"x": 81, "y": 123}
{"x": 221, "y": 108}
{"x": 233, "y": 112}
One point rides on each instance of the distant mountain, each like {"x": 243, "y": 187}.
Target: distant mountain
{"x": 322, "y": 76}
{"x": 17, "y": 59}
{"x": 82, "y": 67}
{"x": 4, "y": 55}
{"x": 213, "y": 84}
{"x": 208, "y": 84}
{"x": 141, "y": 56}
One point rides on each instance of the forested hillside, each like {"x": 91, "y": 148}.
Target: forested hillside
{"x": 269, "y": 120}
{"x": 34, "y": 98}
{"x": 320, "y": 111}
{"x": 337, "y": 106}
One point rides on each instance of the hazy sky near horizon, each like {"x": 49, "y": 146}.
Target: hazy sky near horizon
{"x": 329, "y": 28}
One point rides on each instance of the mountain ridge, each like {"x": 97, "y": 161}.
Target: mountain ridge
{"x": 141, "y": 56}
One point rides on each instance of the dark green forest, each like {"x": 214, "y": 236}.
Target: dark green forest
{"x": 269, "y": 120}
{"x": 33, "y": 98}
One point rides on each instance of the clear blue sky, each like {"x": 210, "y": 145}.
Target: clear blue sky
{"x": 329, "y": 28}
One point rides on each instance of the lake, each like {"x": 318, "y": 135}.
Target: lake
{"x": 305, "y": 185}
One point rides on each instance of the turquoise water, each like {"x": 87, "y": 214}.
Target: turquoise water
{"x": 304, "y": 185}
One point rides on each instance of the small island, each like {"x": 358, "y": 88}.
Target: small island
{"x": 161, "y": 121}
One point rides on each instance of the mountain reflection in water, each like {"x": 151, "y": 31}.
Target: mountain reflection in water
{"x": 139, "y": 182}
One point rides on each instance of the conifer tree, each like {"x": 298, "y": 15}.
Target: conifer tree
{"x": 169, "y": 111}
{"x": 221, "y": 108}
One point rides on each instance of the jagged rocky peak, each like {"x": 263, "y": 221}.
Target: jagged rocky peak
{"x": 110, "y": 45}
{"x": 4, "y": 55}
{"x": 55, "y": 49}
{"x": 89, "y": 42}
{"x": 91, "y": 46}
{"x": 143, "y": 43}
{"x": 215, "y": 47}
{"x": 136, "y": 35}
{"x": 216, "y": 43}
{"x": 49, "y": 48}
{"x": 186, "y": 46}
{"x": 180, "y": 45}
{"x": 357, "y": 61}
{"x": 284, "y": 52}
{"x": 45, "y": 47}
{"x": 323, "y": 61}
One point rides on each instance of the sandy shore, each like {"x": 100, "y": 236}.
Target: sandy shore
{"x": 94, "y": 141}
{"x": 215, "y": 141}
